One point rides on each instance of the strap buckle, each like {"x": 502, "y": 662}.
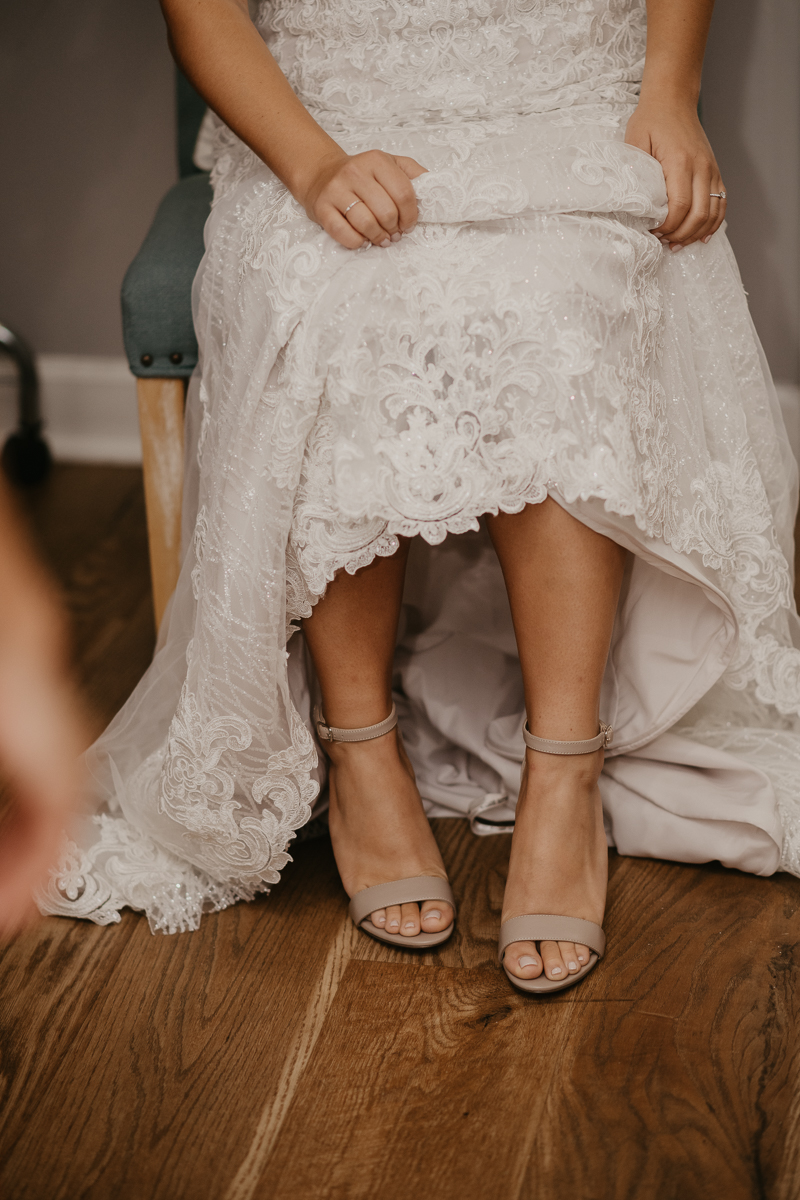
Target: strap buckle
{"x": 323, "y": 729}
{"x": 608, "y": 735}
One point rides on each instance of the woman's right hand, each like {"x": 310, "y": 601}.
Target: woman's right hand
{"x": 363, "y": 198}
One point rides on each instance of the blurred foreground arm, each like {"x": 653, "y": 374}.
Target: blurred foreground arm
{"x": 42, "y": 732}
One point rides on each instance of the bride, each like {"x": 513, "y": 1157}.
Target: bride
{"x": 465, "y": 273}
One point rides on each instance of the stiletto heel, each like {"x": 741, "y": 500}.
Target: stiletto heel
{"x": 547, "y": 927}
{"x": 398, "y": 891}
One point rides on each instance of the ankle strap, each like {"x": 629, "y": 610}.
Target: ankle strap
{"x": 329, "y": 733}
{"x": 549, "y": 746}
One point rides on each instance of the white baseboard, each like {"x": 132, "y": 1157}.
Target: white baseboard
{"x": 88, "y": 406}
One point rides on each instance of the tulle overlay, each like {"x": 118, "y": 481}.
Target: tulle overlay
{"x": 529, "y": 338}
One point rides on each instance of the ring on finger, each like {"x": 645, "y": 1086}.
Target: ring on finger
{"x": 719, "y": 195}
{"x": 347, "y": 210}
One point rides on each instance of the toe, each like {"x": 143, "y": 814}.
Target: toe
{"x": 409, "y": 926}
{"x": 393, "y": 917}
{"x": 523, "y": 960}
{"x": 436, "y": 916}
{"x": 583, "y": 953}
{"x": 378, "y": 918}
{"x": 553, "y": 963}
{"x": 569, "y": 956}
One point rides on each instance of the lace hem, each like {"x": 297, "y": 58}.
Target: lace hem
{"x": 125, "y": 869}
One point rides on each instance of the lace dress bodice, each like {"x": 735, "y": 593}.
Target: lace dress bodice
{"x": 389, "y": 63}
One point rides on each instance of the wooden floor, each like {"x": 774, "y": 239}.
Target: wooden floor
{"x": 232, "y": 1063}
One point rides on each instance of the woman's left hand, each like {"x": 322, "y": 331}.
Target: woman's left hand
{"x": 675, "y": 137}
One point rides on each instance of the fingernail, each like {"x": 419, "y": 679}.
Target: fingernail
{"x": 706, "y": 239}
{"x": 433, "y": 915}
{"x": 396, "y": 237}
{"x": 384, "y": 243}
{"x": 555, "y": 970}
{"x": 527, "y": 961}
{"x": 365, "y": 245}
{"x": 675, "y": 247}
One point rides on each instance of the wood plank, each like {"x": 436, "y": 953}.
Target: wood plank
{"x": 51, "y": 977}
{"x": 89, "y": 524}
{"x": 653, "y": 1078}
{"x": 162, "y": 1090}
{"x": 682, "y": 1079}
{"x": 404, "y": 1090}
{"x": 109, "y": 601}
{"x": 74, "y": 508}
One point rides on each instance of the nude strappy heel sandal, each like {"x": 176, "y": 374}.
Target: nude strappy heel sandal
{"x": 399, "y": 891}
{"x": 545, "y": 927}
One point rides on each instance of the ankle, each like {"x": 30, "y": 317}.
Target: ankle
{"x": 564, "y": 766}
{"x": 360, "y": 711}
{"x": 381, "y": 751}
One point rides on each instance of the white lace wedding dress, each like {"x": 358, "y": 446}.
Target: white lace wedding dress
{"x": 530, "y": 337}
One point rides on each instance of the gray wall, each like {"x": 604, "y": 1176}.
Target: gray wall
{"x": 751, "y": 111}
{"x": 87, "y": 147}
{"x": 87, "y": 142}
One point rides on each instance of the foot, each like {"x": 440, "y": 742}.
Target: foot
{"x": 380, "y": 832}
{"x": 559, "y": 858}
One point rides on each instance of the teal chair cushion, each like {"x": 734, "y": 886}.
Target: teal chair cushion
{"x": 157, "y": 289}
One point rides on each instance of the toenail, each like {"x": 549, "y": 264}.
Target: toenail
{"x": 555, "y": 970}
{"x": 527, "y": 961}
{"x": 409, "y": 925}
{"x": 433, "y": 915}
{"x": 581, "y": 958}
{"x": 573, "y": 966}
{"x": 394, "y": 924}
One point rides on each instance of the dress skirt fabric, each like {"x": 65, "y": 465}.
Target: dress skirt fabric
{"x": 529, "y": 338}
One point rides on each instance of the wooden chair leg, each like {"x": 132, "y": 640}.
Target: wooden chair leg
{"x": 161, "y": 424}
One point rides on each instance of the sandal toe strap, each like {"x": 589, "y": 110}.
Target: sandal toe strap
{"x": 400, "y": 891}
{"x": 541, "y": 927}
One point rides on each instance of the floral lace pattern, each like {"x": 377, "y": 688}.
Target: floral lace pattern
{"x": 448, "y": 60}
{"x": 529, "y": 336}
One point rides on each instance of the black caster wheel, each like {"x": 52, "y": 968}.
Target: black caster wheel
{"x": 26, "y": 459}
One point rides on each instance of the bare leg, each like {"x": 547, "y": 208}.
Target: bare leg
{"x": 563, "y": 583}
{"x": 378, "y": 827}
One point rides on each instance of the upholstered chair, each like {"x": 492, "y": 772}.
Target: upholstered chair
{"x": 160, "y": 342}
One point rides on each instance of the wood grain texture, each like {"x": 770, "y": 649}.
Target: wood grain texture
{"x": 161, "y": 425}
{"x": 157, "y": 1090}
{"x": 89, "y": 524}
{"x": 672, "y": 1072}
{"x": 279, "y": 1053}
